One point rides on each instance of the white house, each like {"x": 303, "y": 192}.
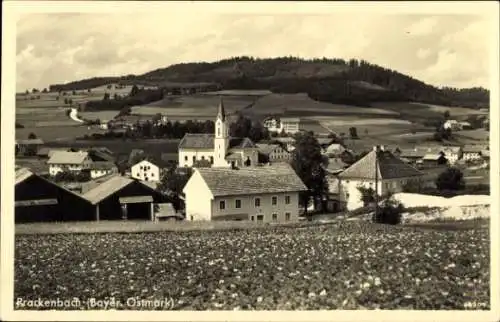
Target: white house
{"x": 220, "y": 149}
{"x": 452, "y": 125}
{"x": 100, "y": 169}
{"x": 452, "y": 153}
{"x": 273, "y": 152}
{"x": 145, "y": 171}
{"x": 68, "y": 161}
{"x": 288, "y": 142}
{"x": 263, "y": 194}
{"x": 282, "y": 124}
{"x": 472, "y": 153}
{"x": 381, "y": 166}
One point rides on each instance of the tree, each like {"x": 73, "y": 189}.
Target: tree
{"x": 367, "y": 195}
{"x": 34, "y": 90}
{"x": 446, "y": 114}
{"x": 45, "y": 90}
{"x": 172, "y": 182}
{"x": 450, "y": 179}
{"x": 74, "y": 92}
{"x": 353, "y": 133}
{"x": 134, "y": 91}
{"x": 389, "y": 212}
{"x": 32, "y": 136}
{"x": 106, "y": 97}
{"x": 308, "y": 163}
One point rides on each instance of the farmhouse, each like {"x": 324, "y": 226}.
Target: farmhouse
{"x": 452, "y": 153}
{"x": 282, "y": 124}
{"x": 379, "y": 165}
{"x": 38, "y": 199}
{"x": 272, "y": 153}
{"x": 102, "y": 168}
{"x": 28, "y": 147}
{"x": 220, "y": 149}
{"x": 62, "y": 161}
{"x": 145, "y": 171}
{"x": 431, "y": 160}
{"x": 472, "y": 153}
{"x": 411, "y": 155}
{"x": 122, "y": 198}
{"x": 263, "y": 194}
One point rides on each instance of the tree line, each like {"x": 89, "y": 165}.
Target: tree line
{"x": 136, "y": 97}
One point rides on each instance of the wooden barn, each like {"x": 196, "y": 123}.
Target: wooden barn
{"x": 121, "y": 197}
{"x": 38, "y": 199}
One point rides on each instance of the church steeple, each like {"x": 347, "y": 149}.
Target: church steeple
{"x": 221, "y": 114}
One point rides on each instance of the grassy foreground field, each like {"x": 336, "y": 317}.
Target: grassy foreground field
{"x": 350, "y": 265}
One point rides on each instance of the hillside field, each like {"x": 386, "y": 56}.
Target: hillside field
{"x": 345, "y": 265}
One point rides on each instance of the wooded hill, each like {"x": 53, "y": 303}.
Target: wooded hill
{"x": 331, "y": 80}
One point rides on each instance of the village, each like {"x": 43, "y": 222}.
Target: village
{"x": 216, "y": 177}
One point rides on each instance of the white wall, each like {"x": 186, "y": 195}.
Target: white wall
{"x": 198, "y": 199}
{"x": 146, "y": 171}
{"x": 266, "y": 208}
{"x": 471, "y": 156}
{"x": 189, "y": 154}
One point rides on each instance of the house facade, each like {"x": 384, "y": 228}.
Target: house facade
{"x": 100, "y": 169}
{"x": 262, "y": 194}
{"x": 472, "y": 153}
{"x": 452, "y": 153}
{"x": 61, "y": 161}
{"x": 145, "y": 171}
{"x": 219, "y": 149}
{"x": 379, "y": 170}
{"x": 273, "y": 152}
{"x": 282, "y": 124}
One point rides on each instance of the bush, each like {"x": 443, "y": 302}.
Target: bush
{"x": 367, "y": 195}
{"x": 389, "y": 212}
{"x": 450, "y": 179}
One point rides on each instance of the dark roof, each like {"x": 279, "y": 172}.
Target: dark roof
{"x": 102, "y": 165}
{"x": 206, "y": 141}
{"x": 170, "y": 157}
{"x": 389, "y": 167}
{"x": 252, "y": 180}
{"x": 221, "y": 112}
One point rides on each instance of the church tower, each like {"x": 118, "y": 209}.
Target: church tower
{"x": 221, "y": 140}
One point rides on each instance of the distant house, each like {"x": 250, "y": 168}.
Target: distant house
{"x": 335, "y": 149}
{"x": 452, "y": 153}
{"x": 472, "y": 153}
{"x": 273, "y": 153}
{"x": 452, "y": 125}
{"x": 391, "y": 174}
{"x": 282, "y": 124}
{"x": 411, "y": 156}
{"x": 433, "y": 160}
{"x": 28, "y": 147}
{"x": 40, "y": 200}
{"x": 485, "y": 154}
{"x": 263, "y": 194}
{"x": 68, "y": 161}
{"x": 102, "y": 168}
{"x": 145, "y": 171}
{"x": 166, "y": 211}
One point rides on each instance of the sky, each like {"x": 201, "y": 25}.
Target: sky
{"x": 442, "y": 50}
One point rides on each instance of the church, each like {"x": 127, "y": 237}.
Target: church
{"x": 218, "y": 149}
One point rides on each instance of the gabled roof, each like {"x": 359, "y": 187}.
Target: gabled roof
{"x": 267, "y": 148}
{"x": 206, "y": 141}
{"x": 30, "y": 142}
{"x": 389, "y": 167}
{"x": 22, "y": 174}
{"x": 102, "y": 165}
{"x": 252, "y": 180}
{"x": 65, "y": 157}
{"x": 473, "y": 149}
{"x": 335, "y": 148}
{"x": 451, "y": 149}
{"x": 107, "y": 188}
{"x": 432, "y": 157}
{"x": 285, "y": 139}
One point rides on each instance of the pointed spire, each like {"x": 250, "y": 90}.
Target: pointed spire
{"x": 221, "y": 113}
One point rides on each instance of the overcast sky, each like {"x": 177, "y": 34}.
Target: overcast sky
{"x": 445, "y": 50}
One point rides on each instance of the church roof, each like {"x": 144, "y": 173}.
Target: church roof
{"x": 206, "y": 141}
{"x": 221, "y": 112}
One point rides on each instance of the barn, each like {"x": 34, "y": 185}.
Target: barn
{"x": 121, "y": 197}
{"x": 38, "y": 199}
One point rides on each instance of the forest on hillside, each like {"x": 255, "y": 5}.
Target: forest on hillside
{"x": 355, "y": 82}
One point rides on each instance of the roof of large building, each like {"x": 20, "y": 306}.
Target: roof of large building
{"x": 107, "y": 188}
{"x": 22, "y": 174}
{"x": 65, "y": 157}
{"x": 252, "y": 180}
{"x": 389, "y": 167}
{"x": 267, "y": 148}
{"x": 206, "y": 141}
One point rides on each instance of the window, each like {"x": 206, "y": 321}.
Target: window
{"x": 287, "y": 216}
{"x": 260, "y": 217}
{"x": 185, "y": 158}
{"x": 203, "y": 157}
{"x": 222, "y": 205}
{"x": 287, "y": 200}
{"x": 140, "y": 167}
{"x": 252, "y": 218}
{"x": 238, "y": 203}
{"x": 194, "y": 159}
{"x": 274, "y": 201}
{"x": 211, "y": 160}
{"x": 191, "y": 218}
{"x": 275, "y": 217}
{"x": 152, "y": 174}
{"x": 257, "y": 202}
